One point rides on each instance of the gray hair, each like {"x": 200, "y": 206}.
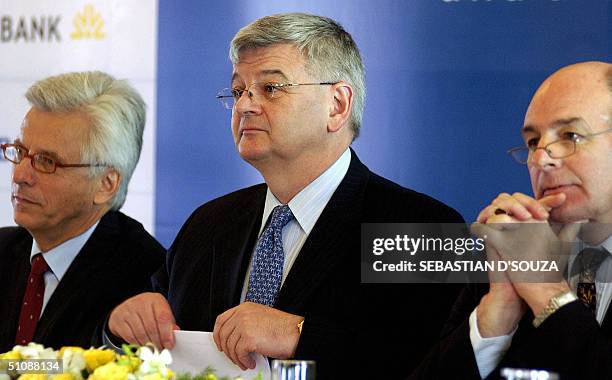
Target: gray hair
{"x": 329, "y": 50}
{"x": 117, "y": 115}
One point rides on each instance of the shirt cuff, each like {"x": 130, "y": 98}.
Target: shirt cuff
{"x": 488, "y": 351}
{"x": 107, "y": 339}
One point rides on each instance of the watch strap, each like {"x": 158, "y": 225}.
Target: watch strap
{"x": 555, "y": 303}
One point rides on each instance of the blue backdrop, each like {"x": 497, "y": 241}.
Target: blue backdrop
{"x": 448, "y": 83}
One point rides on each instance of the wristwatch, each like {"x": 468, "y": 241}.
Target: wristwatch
{"x": 553, "y": 305}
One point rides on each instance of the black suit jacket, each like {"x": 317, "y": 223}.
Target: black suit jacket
{"x": 114, "y": 264}
{"x": 348, "y": 326}
{"x": 570, "y": 342}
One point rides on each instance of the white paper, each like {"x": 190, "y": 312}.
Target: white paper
{"x": 196, "y": 350}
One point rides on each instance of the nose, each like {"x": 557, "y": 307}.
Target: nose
{"x": 247, "y": 104}
{"x": 24, "y": 173}
{"x": 542, "y": 160}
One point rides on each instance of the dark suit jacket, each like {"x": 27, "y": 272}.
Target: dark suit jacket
{"x": 570, "y": 342}
{"x": 344, "y": 319}
{"x": 114, "y": 264}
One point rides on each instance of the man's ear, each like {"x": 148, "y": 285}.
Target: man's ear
{"x": 108, "y": 186}
{"x": 340, "y": 111}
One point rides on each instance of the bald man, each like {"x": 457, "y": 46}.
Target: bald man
{"x": 555, "y": 325}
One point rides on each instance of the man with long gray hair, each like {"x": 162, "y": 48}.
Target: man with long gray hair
{"x": 275, "y": 268}
{"x": 74, "y": 256}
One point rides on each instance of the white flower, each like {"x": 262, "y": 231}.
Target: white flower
{"x": 35, "y": 351}
{"x": 153, "y": 362}
{"x": 154, "y": 356}
{"x": 74, "y": 363}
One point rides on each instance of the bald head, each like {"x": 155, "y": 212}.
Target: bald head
{"x": 591, "y": 69}
{"x": 582, "y": 85}
{"x": 573, "y": 106}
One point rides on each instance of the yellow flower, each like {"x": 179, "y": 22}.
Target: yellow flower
{"x": 110, "y": 371}
{"x": 11, "y": 355}
{"x": 30, "y": 376}
{"x": 132, "y": 362}
{"x": 94, "y": 358}
{"x": 63, "y": 376}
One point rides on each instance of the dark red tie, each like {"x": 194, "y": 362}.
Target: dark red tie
{"x": 589, "y": 261}
{"x": 32, "y": 301}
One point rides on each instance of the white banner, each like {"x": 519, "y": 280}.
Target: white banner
{"x": 39, "y": 38}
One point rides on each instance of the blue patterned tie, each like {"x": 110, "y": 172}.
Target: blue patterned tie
{"x": 267, "y": 271}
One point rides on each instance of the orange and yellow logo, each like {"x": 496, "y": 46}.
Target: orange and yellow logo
{"x": 88, "y": 25}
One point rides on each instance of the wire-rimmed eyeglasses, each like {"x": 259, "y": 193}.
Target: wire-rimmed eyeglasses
{"x": 555, "y": 149}
{"x": 41, "y": 162}
{"x": 266, "y": 90}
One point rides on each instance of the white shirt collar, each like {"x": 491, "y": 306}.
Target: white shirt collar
{"x": 60, "y": 257}
{"x": 607, "y": 244}
{"x": 309, "y": 203}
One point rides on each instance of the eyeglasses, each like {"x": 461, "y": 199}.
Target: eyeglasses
{"x": 41, "y": 162}
{"x": 259, "y": 91}
{"x": 555, "y": 149}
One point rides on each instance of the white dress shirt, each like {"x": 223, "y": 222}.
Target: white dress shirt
{"x": 59, "y": 260}
{"x": 490, "y": 351}
{"x": 306, "y": 207}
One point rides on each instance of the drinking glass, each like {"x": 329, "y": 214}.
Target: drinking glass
{"x": 293, "y": 370}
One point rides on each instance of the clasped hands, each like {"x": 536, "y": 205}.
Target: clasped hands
{"x": 521, "y": 232}
{"x": 238, "y": 332}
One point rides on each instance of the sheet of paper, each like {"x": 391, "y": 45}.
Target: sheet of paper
{"x": 196, "y": 350}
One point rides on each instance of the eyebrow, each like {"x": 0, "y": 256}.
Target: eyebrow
{"x": 268, "y": 72}
{"x": 44, "y": 152}
{"x": 555, "y": 125}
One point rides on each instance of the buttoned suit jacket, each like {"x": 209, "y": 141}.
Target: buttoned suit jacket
{"x": 348, "y": 326}
{"x": 115, "y": 263}
{"x": 570, "y": 342}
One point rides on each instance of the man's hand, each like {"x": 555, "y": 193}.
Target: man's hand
{"x": 504, "y": 305}
{"x": 501, "y": 309}
{"x": 520, "y": 208}
{"x": 144, "y": 318}
{"x": 523, "y": 233}
{"x": 252, "y": 327}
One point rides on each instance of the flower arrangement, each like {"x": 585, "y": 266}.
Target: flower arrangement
{"x": 75, "y": 363}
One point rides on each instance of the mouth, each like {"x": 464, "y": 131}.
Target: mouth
{"x": 250, "y": 130}
{"x": 556, "y": 189}
{"x": 20, "y": 199}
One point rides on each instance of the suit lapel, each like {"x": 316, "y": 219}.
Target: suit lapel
{"x": 232, "y": 249}
{"x": 606, "y": 325}
{"x": 15, "y": 272}
{"x": 331, "y": 239}
{"x": 79, "y": 281}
